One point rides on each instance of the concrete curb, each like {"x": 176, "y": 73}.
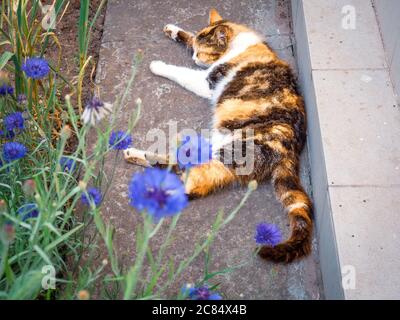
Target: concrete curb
{"x": 353, "y": 125}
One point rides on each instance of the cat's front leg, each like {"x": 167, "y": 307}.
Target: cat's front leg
{"x": 179, "y": 35}
{"x": 192, "y": 80}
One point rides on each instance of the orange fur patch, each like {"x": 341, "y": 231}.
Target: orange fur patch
{"x": 207, "y": 177}
{"x": 256, "y": 53}
{"x": 237, "y": 109}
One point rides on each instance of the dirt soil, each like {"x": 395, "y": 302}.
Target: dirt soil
{"x": 67, "y": 34}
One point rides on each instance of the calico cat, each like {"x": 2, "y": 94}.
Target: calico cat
{"x": 249, "y": 88}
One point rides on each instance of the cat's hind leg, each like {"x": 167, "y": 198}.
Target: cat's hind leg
{"x": 199, "y": 181}
{"x": 145, "y": 158}
{"x": 179, "y": 35}
{"x": 206, "y": 178}
{"x": 150, "y": 159}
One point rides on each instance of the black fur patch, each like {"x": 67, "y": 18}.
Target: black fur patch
{"x": 288, "y": 183}
{"x": 218, "y": 73}
{"x": 276, "y": 76}
{"x": 274, "y": 116}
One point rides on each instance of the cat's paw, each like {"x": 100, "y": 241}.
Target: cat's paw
{"x": 171, "y": 31}
{"x": 158, "y": 67}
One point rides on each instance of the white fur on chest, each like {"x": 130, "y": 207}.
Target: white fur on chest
{"x": 240, "y": 44}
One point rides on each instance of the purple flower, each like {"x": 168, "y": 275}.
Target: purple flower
{"x": 158, "y": 192}
{"x": 267, "y": 234}
{"x": 28, "y": 211}
{"x": 201, "y": 293}
{"x": 36, "y": 68}
{"x": 194, "y": 150}
{"x": 95, "y": 103}
{"x": 67, "y": 164}
{"x": 5, "y": 89}
{"x": 96, "y": 110}
{"x": 14, "y": 121}
{"x": 93, "y": 195}
{"x": 13, "y": 151}
{"x": 21, "y": 99}
{"x": 119, "y": 140}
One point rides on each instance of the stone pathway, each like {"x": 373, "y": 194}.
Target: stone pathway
{"x": 132, "y": 25}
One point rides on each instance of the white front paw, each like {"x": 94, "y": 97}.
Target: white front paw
{"x": 158, "y": 67}
{"x": 171, "y": 31}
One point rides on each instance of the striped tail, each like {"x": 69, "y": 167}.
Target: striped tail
{"x": 298, "y": 205}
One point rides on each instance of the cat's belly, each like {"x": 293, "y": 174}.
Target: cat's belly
{"x": 219, "y": 139}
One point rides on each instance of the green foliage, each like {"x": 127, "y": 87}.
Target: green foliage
{"x": 65, "y": 235}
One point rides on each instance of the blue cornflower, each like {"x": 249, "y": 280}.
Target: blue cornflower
{"x": 14, "y": 121}
{"x": 267, "y": 234}
{"x": 119, "y": 140}
{"x": 28, "y": 211}
{"x": 93, "y": 195}
{"x": 6, "y": 89}
{"x": 194, "y": 150}
{"x": 7, "y": 134}
{"x": 13, "y": 151}
{"x": 36, "y": 68}
{"x": 201, "y": 293}
{"x": 67, "y": 163}
{"x": 157, "y": 191}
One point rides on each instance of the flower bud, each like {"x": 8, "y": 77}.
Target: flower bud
{"x": 66, "y": 132}
{"x": 253, "y": 185}
{"x": 3, "y": 206}
{"x": 29, "y": 187}
{"x": 8, "y": 232}
{"x": 83, "y": 295}
{"x": 37, "y": 197}
{"x": 82, "y": 185}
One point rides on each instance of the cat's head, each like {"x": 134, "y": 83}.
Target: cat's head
{"x": 212, "y": 42}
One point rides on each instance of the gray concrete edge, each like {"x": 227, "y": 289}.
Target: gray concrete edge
{"x": 326, "y": 236}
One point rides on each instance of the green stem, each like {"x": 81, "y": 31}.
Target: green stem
{"x": 133, "y": 274}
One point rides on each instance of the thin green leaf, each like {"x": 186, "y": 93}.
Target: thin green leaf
{"x": 5, "y": 57}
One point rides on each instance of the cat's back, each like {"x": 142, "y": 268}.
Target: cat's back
{"x": 257, "y": 90}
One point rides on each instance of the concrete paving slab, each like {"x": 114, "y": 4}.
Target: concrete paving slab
{"x": 354, "y": 151}
{"x": 361, "y": 126}
{"x": 132, "y": 25}
{"x": 395, "y": 72}
{"x": 387, "y": 12}
{"x": 371, "y": 253}
{"x": 344, "y": 47}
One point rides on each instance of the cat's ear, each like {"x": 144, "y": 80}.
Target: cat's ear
{"x": 221, "y": 34}
{"x": 214, "y": 16}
